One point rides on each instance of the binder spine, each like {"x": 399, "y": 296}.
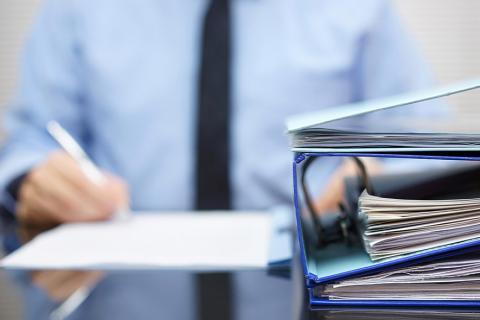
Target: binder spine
{"x": 299, "y": 158}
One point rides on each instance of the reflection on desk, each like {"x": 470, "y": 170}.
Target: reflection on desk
{"x": 157, "y": 294}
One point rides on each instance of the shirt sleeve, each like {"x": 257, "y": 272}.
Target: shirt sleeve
{"x": 389, "y": 61}
{"x": 50, "y": 88}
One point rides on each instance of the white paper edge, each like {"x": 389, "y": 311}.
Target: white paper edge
{"x": 281, "y": 219}
{"x": 380, "y": 150}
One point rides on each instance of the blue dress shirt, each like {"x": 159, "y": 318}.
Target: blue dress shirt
{"x": 121, "y": 76}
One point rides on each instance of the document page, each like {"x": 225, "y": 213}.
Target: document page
{"x": 197, "y": 241}
{"x": 451, "y": 279}
{"x": 396, "y": 227}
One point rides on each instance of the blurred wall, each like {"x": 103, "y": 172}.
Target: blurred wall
{"x": 15, "y": 20}
{"x": 448, "y": 32}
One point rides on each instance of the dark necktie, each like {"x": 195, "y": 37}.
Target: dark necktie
{"x": 213, "y": 136}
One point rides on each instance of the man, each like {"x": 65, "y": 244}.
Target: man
{"x": 126, "y": 79}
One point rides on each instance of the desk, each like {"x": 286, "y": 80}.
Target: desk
{"x": 168, "y": 295}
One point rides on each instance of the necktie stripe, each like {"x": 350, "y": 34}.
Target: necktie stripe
{"x": 213, "y": 152}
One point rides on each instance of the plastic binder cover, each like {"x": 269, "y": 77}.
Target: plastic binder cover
{"x": 339, "y": 261}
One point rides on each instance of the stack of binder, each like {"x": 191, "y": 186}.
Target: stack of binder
{"x": 412, "y": 247}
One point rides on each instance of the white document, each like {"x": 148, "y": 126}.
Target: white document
{"x": 193, "y": 241}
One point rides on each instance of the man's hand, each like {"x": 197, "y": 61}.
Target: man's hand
{"x": 335, "y": 188}
{"x": 57, "y": 191}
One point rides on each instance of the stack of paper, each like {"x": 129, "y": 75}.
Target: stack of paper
{"x": 452, "y": 279}
{"x": 395, "y": 227}
{"x": 329, "y": 138}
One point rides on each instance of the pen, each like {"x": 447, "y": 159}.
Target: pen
{"x": 71, "y": 303}
{"x": 68, "y": 143}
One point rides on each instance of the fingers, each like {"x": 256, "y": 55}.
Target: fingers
{"x": 58, "y": 191}
{"x": 61, "y": 284}
{"x": 93, "y": 195}
{"x": 335, "y": 188}
{"x": 29, "y": 210}
{"x": 331, "y": 198}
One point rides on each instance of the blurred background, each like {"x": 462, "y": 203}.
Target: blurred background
{"x": 448, "y": 33}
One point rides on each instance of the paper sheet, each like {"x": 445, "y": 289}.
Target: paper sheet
{"x": 447, "y": 279}
{"x": 397, "y": 227}
{"x": 207, "y": 241}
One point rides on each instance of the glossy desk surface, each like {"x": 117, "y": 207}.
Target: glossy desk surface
{"x": 256, "y": 295}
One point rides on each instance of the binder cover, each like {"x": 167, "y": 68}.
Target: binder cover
{"x": 338, "y": 261}
{"x": 302, "y": 127}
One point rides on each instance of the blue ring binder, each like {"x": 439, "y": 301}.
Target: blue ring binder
{"x": 314, "y": 280}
